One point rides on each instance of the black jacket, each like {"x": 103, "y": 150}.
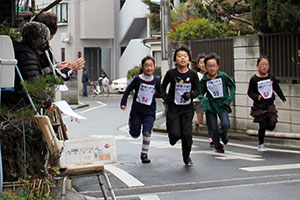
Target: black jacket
{"x": 29, "y": 67}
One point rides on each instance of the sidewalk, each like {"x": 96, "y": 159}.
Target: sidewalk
{"x": 160, "y": 126}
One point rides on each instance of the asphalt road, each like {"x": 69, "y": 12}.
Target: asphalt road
{"x": 240, "y": 173}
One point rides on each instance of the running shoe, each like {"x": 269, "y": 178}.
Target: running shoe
{"x": 188, "y": 162}
{"x": 225, "y": 139}
{"x": 261, "y": 148}
{"x": 144, "y": 158}
{"x": 211, "y": 142}
{"x": 219, "y": 150}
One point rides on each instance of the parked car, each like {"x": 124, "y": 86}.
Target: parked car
{"x": 119, "y": 84}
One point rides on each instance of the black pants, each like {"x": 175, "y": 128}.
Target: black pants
{"x": 264, "y": 125}
{"x": 179, "y": 126}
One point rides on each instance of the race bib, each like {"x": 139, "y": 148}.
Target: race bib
{"x": 180, "y": 89}
{"x": 145, "y": 94}
{"x": 265, "y": 88}
{"x": 215, "y": 87}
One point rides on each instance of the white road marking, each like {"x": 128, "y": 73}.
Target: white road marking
{"x": 251, "y": 147}
{"x": 271, "y": 167}
{"x": 124, "y": 129}
{"x": 93, "y": 108}
{"x": 229, "y": 155}
{"x": 125, "y": 177}
{"x": 149, "y": 197}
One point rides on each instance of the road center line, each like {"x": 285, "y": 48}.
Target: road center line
{"x": 125, "y": 177}
{"x": 271, "y": 167}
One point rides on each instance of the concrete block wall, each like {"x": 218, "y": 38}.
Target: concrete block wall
{"x": 246, "y": 52}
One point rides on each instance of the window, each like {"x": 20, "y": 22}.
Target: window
{"x": 61, "y": 10}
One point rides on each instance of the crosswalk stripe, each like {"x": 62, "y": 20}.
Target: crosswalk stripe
{"x": 271, "y": 167}
{"x": 149, "y": 197}
{"x": 123, "y": 176}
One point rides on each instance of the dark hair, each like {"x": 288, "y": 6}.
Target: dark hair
{"x": 212, "y": 56}
{"x": 200, "y": 56}
{"x": 147, "y": 58}
{"x": 49, "y": 19}
{"x": 262, "y": 57}
{"x": 182, "y": 48}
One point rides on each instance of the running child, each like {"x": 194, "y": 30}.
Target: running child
{"x": 184, "y": 86}
{"x": 200, "y": 69}
{"x": 143, "y": 107}
{"x": 215, "y": 99}
{"x": 260, "y": 90}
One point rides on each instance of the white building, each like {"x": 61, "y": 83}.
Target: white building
{"x": 87, "y": 29}
{"x": 108, "y": 34}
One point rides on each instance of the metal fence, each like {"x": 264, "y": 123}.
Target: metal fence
{"x": 283, "y": 50}
{"x": 223, "y": 47}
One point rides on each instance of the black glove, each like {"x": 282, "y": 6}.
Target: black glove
{"x": 186, "y": 96}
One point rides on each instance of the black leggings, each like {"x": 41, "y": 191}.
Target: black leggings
{"x": 266, "y": 124}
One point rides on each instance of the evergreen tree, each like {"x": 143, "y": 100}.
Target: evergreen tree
{"x": 270, "y": 16}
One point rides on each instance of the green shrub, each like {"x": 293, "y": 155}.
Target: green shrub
{"x": 198, "y": 29}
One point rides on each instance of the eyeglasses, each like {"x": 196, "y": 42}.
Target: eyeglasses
{"x": 211, "y": 66}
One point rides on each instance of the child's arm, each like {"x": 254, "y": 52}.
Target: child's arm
{"x": 127, "y": 92}
{"x": 158, "y": 88}
{"x": 195, "y": 91}
{"x": 230, "y": 83}
{"x": 255, "y": 96}
{"x": 203, "y": 99}
{"x": 277, "y": 88}
{"x": 196, "y": 87}
{"x": 163, "y": 88}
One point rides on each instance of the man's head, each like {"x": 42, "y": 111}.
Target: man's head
{"x": 36, "y": 35}
{"x": 49, "y": 19}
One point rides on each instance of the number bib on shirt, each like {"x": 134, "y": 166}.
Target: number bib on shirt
{"x": 145, "y": 94}
{"x": 180, "y": 89}
{"x": 265, "y": 88}
{"x": 215, "y": 87}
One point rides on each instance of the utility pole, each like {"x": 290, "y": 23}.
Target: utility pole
{"x": 165, "y": 27}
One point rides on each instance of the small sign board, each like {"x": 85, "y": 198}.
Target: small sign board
{"x": 88, "y": 151}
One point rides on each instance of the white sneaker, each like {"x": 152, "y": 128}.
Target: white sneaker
{"x": 261, "y": 148}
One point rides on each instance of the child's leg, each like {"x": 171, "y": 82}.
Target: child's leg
{"x": 148, "y": 122}
{"x": 135, "y": 125}
{"x": 173, "y": 127}
{"x": 261, "y": 131}
{"x": 212, "y": 125}
{"x": 271, "y": 125}
{"x": 225, "y": 126}
{"x": 186, "y": 121}
{"x": 199, "y": 118}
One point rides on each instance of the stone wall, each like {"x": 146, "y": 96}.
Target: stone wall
{"x": 246, "y": 52}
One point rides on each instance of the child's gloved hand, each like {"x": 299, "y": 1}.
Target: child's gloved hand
{"x": 186, "y": 96}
